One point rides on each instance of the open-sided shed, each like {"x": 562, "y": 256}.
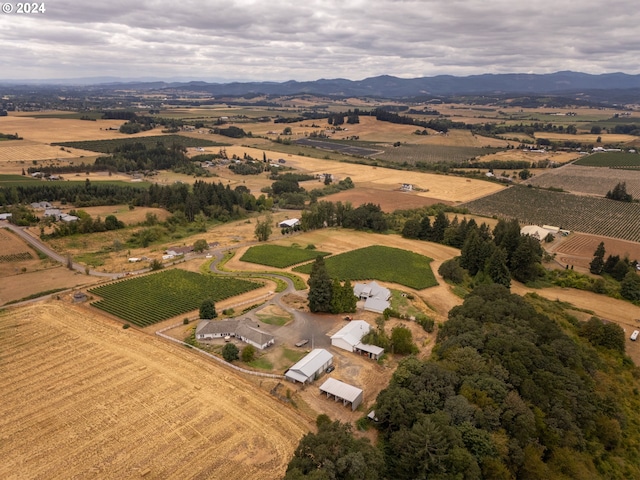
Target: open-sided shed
{"x": 342, "y": 391}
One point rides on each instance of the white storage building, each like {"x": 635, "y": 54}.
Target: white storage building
{"x": 349, "y": 338}
{"x": 310, "y": 366}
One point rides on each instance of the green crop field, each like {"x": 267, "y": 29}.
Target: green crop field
{"x": 412, "y": 154}
{"x": 146, "y": 300}
{"x": 279, "y": 256}
{"x": 597, "y": 216}
{"x": 107, "y": 146}
{"x": 611, "y": 160}
{"x": 380, "y": 263}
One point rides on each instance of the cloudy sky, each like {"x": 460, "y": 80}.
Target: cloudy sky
{"x": 279, "y": 40}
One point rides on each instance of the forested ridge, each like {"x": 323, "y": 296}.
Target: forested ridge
{"x": 515, "y": 388}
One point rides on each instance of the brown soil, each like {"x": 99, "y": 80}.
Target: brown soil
{"x": 388, "y": 199}
{"x": 117, "y": 403}
{"x": 578, "y": 248}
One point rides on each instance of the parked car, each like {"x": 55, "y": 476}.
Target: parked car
{"x": 330, "y": 369}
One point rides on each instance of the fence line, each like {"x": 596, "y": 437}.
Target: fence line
{"x": 216, "y": 358}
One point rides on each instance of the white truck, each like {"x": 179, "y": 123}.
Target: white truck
{"x": 634, "y": 335}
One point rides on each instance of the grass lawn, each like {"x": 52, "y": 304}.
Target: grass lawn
{"x": 261, "y": 363}
{"x": 273, "y": 319}
{"x": 380, "y": 263}
{"x": 293, "y": 355}
{"x": 279, "y": 256}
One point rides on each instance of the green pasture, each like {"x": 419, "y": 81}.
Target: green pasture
{"x": 279, "y": 256}
{"x": 376, "y": 262}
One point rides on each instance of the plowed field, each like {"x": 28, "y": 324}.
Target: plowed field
{"x": 83, "y": 398}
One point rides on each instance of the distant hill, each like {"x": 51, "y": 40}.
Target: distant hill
{"x": 613, "y": 87}
{"x": 443, "y": 85}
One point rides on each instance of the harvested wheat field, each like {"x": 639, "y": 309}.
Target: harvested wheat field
{"x": 88, "y": 399}
{"x": 440, "y": 187}
{"x": 526, "y": 156}
{"x": 47, "y": 130}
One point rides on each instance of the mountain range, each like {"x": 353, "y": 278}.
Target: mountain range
{"x": 384, "y": 86}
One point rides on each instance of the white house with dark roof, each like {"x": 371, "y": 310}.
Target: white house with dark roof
{"x": 210, "y": 329}
{"x": 309, "y": 367}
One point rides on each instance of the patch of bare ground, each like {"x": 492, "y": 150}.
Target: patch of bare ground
{"x": 621, "y": 312}
{"x": 388, "y": 199}
{"x": 578, "y": 248}
{"x": 523, "y": 155}
{"x": 89, "y": 399}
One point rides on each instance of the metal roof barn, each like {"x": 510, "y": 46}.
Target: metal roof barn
{"x": 309, "y": 366}
{"x": 342, "y": 391}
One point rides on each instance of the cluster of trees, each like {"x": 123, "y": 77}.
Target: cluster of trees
{"x": 135, "y": 157}
{"x": 498, "y": 255}
{"x": 440, "y": 124}
{"x": 233, "y": 132}
{"x": 400, "y": 341}
{"x": 327, "y": 295}
{"x": 85, "y": 224}
{"x": 620, "y": 269}
{"x": 138, "y": 124}
{"x": 619, "y": 193}
{"x": 336, "y": 119}
{"x": 506, "y": 394}
{"x": 210, "y": 199}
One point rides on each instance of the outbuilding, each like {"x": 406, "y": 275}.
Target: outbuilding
{"x": 310, "y": 366}
{"x": 342, "y": 391}
{"x": 349, "y": 338}
{"x": 290, "y": 223}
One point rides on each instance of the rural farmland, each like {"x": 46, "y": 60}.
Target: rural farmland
{"x": 597, "y": 216}
{"x": 587, "y": 180}
{"x": 89, "y": 399}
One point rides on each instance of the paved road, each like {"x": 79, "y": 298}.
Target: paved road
{"x": 51, "y": 253}
{"x": 305, "y": 325}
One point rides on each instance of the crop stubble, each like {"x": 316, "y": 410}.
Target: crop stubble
{"x": 89, "y": 399}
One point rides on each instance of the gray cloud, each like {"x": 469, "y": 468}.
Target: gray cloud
{"x": 284, "y": 39}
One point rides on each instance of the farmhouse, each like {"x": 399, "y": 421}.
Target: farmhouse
{"x": 253, "y": 336}
{"x": 289, "y": 223}
{"x": 310, "y": 366}
{"x": 349, "y": 338}
{"x": 375, "y": 296}
{"x": 210, "y": 329}
{"x": 342, "y": 391}
{"x": 407, "y": 187}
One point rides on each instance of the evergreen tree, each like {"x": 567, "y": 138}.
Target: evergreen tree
{"x": 497, "y": 268}
{"x": 610, "y": 263}
{"x": 349, "y": 300}
{"x": 526, "y": 258}
{"x": 230, "y": 352}
{"x": 597, "y": 264}
{"x": 320, "y": 287}
{"x": 440, "y": 224}
{"x": 620, "y": 269}
{"x": 425, "y": 228}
